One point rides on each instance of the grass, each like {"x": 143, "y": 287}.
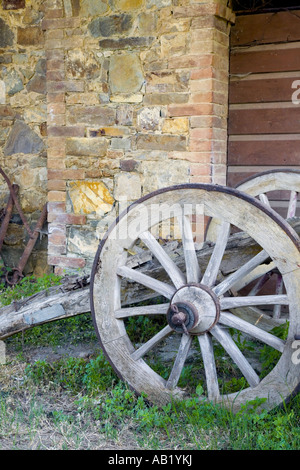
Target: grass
{"x": 76, "y": 403}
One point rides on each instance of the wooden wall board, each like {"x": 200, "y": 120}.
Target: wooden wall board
{"x": 262, "y": 90}
{"x": 267, "y": 28}
{"x": 264, "y": 114}
{"x": 263, "y": 152}
{"x": 264, "y": 121}
{"x": 262, "y": 61}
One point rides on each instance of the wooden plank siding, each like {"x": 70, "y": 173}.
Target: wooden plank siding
{"x": 264, "y": 120}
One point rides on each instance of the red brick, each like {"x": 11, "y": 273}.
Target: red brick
{"x": 70, "y": 174}
{"x": 57, "y": 249}
{"x": 55, "y": 75}
{"x": 205, "y": 97}
{"x": 56, "y": 185}
{"x": 56, "y": 207}
{"x": 208, "y": 121}
{"x": 57, "y": 234}
{"x": 68, "y": 219}
{"x": 58, "y": 23}
{"x": 197, "y": 169}
{"x": 56, "y": 196}
{"x": 55, "y": 153}
{"x": 55, "y": 54}
{"x": 197, "y": 145}
{"x": 56, "y": 108}
{"x": 54, "y": 44}
{"x": 56, "y": 87}
{"x": 57, "y": 143}
{"x": 200, "y": 179}
{"x": 58, "y": 120}
{"x": 53, "y": 13}
{"x": 195, "y": 10}
{"x": 190, "y": 109}
{"x": 56, "y": 164}
{"x": 66, "y": 262}
{"x": 191, "y": 61}
{"x": 54, "y": 34}
{"x": 55, "y": 97}
{"x": 55, "y": 64}
{"x": 201, "y": 133}
{"x": 195, "y": 157}
{"x": 66, "y": 131}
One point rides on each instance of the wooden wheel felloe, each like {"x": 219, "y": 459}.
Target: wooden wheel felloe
{"x": 274, "y": 180}
{"x": 193, "y": 307}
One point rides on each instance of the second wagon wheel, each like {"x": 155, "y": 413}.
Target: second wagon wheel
{"x": 280, "y": 189}
{"x": 190, "y": 307}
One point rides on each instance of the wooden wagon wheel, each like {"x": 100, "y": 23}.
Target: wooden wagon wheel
{"x": 274, "y": 180}
{"x": 261, "y": 186}
{"x": 194, "y": 306}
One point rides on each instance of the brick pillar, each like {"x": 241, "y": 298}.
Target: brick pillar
{"x": 56, "y": 24}
{"x": 207, "y": 108}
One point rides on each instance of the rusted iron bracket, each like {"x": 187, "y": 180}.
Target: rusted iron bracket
{"x": 33, "y": 235}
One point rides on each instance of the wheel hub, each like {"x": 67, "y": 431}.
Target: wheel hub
{"x": 194, "y": 309}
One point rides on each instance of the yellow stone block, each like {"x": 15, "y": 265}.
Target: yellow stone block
{"x": 127, "y": 5}
{"x": 175, "y": 126}
{"x": 90, "y": 196}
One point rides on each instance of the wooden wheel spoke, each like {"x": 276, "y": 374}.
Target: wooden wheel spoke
{"x": 170, "y": 267}
{"x": 162, "y": 334}
{"x": 243, "y": 271}
{"x": 184, "y": 347}
{"x": 143, "y": 310}
{"x": 211, "y": 272}
{"x": 147, "y": 281}
{"x": 279, "y": 290}
{"x": 292, "y": 205}
{"x": 232, "y": 321}
{"x": 229, "y": 345}
{"x": 193, "y": 272}
{"x": 206, "y": 346}
{"x": 234, "y": 302}
{"x": 264, "y": 199}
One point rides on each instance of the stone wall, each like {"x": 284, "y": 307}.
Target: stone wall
{"x": 23, "y": 129}
{"x": 136, "y": 100}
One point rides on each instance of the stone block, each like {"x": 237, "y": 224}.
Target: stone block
{"x": 149, "y": 118}
{"x": 30, "y": 36}
{"x": 127, "y": 5}
{"x": 127, "y": 187}
{"x": 175, "y": 126}
{"x": 161, "y": 142}
{"x": 13, "y": 82}
{"x": 123, "y": 43}
{"x": 92, "y": 8}
{"x": 2, "y": 92}
{"x": 23, "y": 140}
{"x": 83, "y": 242}
{"x": 111, "y": 25}
{"x": 167, "y": 173}
{"x": 124, "y": 115}
{"x": 125, "y": 73}
{"x": 89, "y": 197}
{"x": 83, "y": 146}
{"x": 13, "y": 4}
{"x": 91, "y": 115}
{"x": 6, "y": 34}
